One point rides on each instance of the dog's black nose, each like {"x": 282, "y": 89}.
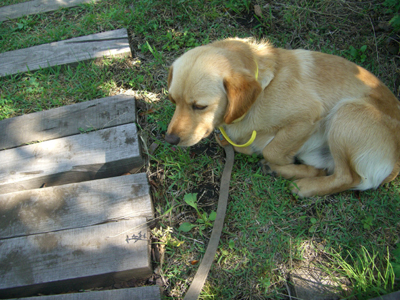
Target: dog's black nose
{"x": 172, "y": 139}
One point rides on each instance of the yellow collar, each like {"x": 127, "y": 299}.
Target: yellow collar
{"x": 250, "y": 141}
{"x": 253, "y": 135}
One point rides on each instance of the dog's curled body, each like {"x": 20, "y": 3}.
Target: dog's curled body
{"x": 335, "y": 117}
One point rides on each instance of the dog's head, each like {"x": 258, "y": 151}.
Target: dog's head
{"x": 210, "y": 85}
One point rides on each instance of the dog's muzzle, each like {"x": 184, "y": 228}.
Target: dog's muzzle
{"x": 172, "y": 139}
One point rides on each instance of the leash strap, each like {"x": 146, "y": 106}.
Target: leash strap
{"x": 202, "y": 272}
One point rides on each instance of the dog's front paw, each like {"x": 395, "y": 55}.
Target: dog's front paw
{"x": 266, "y": 169}
{"x": 295, "y": 189}
{"x": 300, "y": 188}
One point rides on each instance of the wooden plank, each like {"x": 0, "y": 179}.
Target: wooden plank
{"x": 64, "y": 121}
{"x": 391, "y": 296}
{"x": 74, "y": 259}
{"x": 110, "y": 43}
{"x": 138, "y": 293}
{"x": 94, "y": 155}
{"x": 74, "y": 205}
{"x": 312, "y": 283}
{"x": 36, "y": 7}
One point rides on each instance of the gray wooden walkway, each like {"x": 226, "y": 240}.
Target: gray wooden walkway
{"x": 98, "y": 154}
{"x": 110, "y": 43}
{"x": 36, "y": 7}
{"x": 74, "y": 212}
{"x": 68, "y": 219}
{"x": 140, "y": 293}
{"x": 67, "y": 120}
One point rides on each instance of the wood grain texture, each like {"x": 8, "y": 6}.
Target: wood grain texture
{"x": 110, "y": 43}
{"x": 391, "y": 296}
{"x": 75, "y": 258}
{"x": 75, "y": 205}
{"x": 94, "y": 155}
{"x": 67, "y": 120}
{"x": 138, "y": 293}
{"x": 312, "y": 283}
{"x": 36, "y": 7}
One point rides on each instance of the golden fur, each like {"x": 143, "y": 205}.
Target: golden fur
{"x": 335, "y": 117}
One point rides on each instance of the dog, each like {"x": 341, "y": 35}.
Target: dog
{"x": 320, "y": 120}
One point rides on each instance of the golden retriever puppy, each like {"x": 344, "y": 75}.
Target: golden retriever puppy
{"x": 337, "y": 119}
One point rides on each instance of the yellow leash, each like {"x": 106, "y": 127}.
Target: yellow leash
{"x": 253, "y": 135}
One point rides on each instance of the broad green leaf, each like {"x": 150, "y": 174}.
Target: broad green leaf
{"x": 213, "y": 216}
{"x": 231, "y": 244}
{"x": 186, "y": 227}
{"x": 191, "y": 199}
{"x": 353, "y": 51}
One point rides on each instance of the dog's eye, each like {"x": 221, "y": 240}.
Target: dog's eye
{"x": 199, "y": 107}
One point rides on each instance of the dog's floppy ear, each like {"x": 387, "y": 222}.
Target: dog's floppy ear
{"x": 169, "y": 76}
{"x": 242, "y": 91}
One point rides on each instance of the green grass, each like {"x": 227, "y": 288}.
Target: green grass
{"x": 63, "y": 24}
{"x": 355, "y": 236}
{"x": 53, "y": 87}
{"x": 11, "y": 2}
{"x": 372, "y": 276}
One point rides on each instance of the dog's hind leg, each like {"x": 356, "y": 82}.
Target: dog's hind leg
{"x": 394, "y": 173}
{"x": 342, "y": 179}
{"x": 364, "y": 149}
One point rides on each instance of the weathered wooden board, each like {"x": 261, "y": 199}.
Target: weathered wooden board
{"x": 138, "y": 293}
{"x": 391, "y": 296}
{"x": 67, "y": 120}
{"x": 36, "y": 7}
{"x": 312, "y": 283}
{"x": 74, "y": 205}
{"x": 94, "y": 155}
{"x": 74, "y": 259}
{"x": 110, "y": 43}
